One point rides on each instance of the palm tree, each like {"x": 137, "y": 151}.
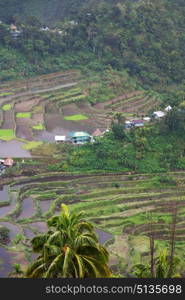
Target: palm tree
{"x": 69, "y": 249}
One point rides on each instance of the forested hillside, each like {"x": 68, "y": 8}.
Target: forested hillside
{"x": 145, "y": 38}
{"x": 92, "y": 110}
{"x": 47, "y": 11}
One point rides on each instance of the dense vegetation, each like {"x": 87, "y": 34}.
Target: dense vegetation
{"x": 157, "y": 147}
{"x": 126, "y": 49}
{"x": 140, "y": 32}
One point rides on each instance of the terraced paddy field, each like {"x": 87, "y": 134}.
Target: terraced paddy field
{"x": 39, "y": 108}
{"x": 119, "y": 205}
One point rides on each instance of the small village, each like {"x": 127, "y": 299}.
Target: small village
{"x": 16, "y": 30}
{"x": 92, "y": 145}
{"x": 82, "y": 137}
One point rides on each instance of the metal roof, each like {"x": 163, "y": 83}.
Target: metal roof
{"x": 159, "y": 114}
{"x": 137, "y": 121}
{"x": 79, "y": 134}
{"x": 8, "y": 162}
{"x": 60, "y": 137}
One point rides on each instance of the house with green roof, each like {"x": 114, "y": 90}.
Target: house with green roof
{"x": 80, "y": 137}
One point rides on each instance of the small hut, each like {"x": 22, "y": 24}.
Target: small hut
{"x": 8, "y": 162}
{"x": 97, "y": 133}
{"x": 168, "y": 108}
{"x": 158, "y": 114}
{"x": 137, "y": 123}
{"x": 60, "y": 138}
{"x": 13, "y": 27}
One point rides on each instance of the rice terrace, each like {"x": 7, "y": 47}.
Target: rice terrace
{"x": 120, "y": 206}
{"x": 92, "y": 140}
{"x": 34, "y": 110}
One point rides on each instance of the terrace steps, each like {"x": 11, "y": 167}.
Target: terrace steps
{"x": 120, "y": 204}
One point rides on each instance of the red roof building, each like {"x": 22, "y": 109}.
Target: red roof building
{"x": 8, "y": 162}
{"x": 97, "y": 132}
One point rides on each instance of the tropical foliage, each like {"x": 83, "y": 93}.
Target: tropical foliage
{"x": 69, "y": 249}
{"x": 156, "y": 147}
{"x": 162, "y": 267}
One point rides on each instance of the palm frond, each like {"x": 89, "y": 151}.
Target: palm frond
{"x": 93, "y": 252}
{"x": 65, "y": 209}
{"x": 85, "y": 240}
{"x": 34, "y": 266}
{"x": 57, "y": 238}
{"x": 39, "y": 271}
{"x": 38, "y": 242}
{"x": 55, "y": 267}
{"x": 103, "y": 270}
{"x": 79, "y": 266}
{"x": 91, "y": 269}
{"x": 84, "y": 226}
{"x": 50, "y": 251}
{"x": 67, "y": 262}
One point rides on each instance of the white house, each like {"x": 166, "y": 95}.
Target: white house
{"x": 44, "y": 28}
{"x": 147, "y": 119}
{"x": 60, "y": 138}
{"x": 168, "y": 108}
{"x": 158, "y": 114}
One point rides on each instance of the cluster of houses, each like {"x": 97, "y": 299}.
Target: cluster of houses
{"x": 5, "y": 163}
{"x": 68, "y": 24}
{"x": 46, "y": 28}
{"x": 79, "y": 137}
{"x": 82, "y": 137}
{"x": 154, "y": 116}
{"x": 16, "y": 32}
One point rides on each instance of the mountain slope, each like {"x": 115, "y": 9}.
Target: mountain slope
{"x": 144, "y": 37}
{"x": 46, "y": 11}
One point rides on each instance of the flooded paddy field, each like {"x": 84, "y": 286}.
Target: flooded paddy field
{"x": 118, "y": 212}
{"x": 39, "y": 108}
{"x": 27, "y": 208}
{"x": 9, "y": 206}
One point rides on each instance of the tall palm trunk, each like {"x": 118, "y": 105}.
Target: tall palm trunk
{"x": 152, "y": 242}
{"x": 173, "y": 237}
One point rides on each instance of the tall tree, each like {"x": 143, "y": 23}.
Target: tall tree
{"x": 69, "y": 249}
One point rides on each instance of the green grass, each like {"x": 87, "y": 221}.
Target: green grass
{"x": 31, "y": 145}
{"x": 7, "y": 107}
{"x": 23, "y": 115}
{"x": 7, "y": 134}
{"x": 75, "y": 118}
{"x": 6, "y": 94}
{"x": 39, "y": 127}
